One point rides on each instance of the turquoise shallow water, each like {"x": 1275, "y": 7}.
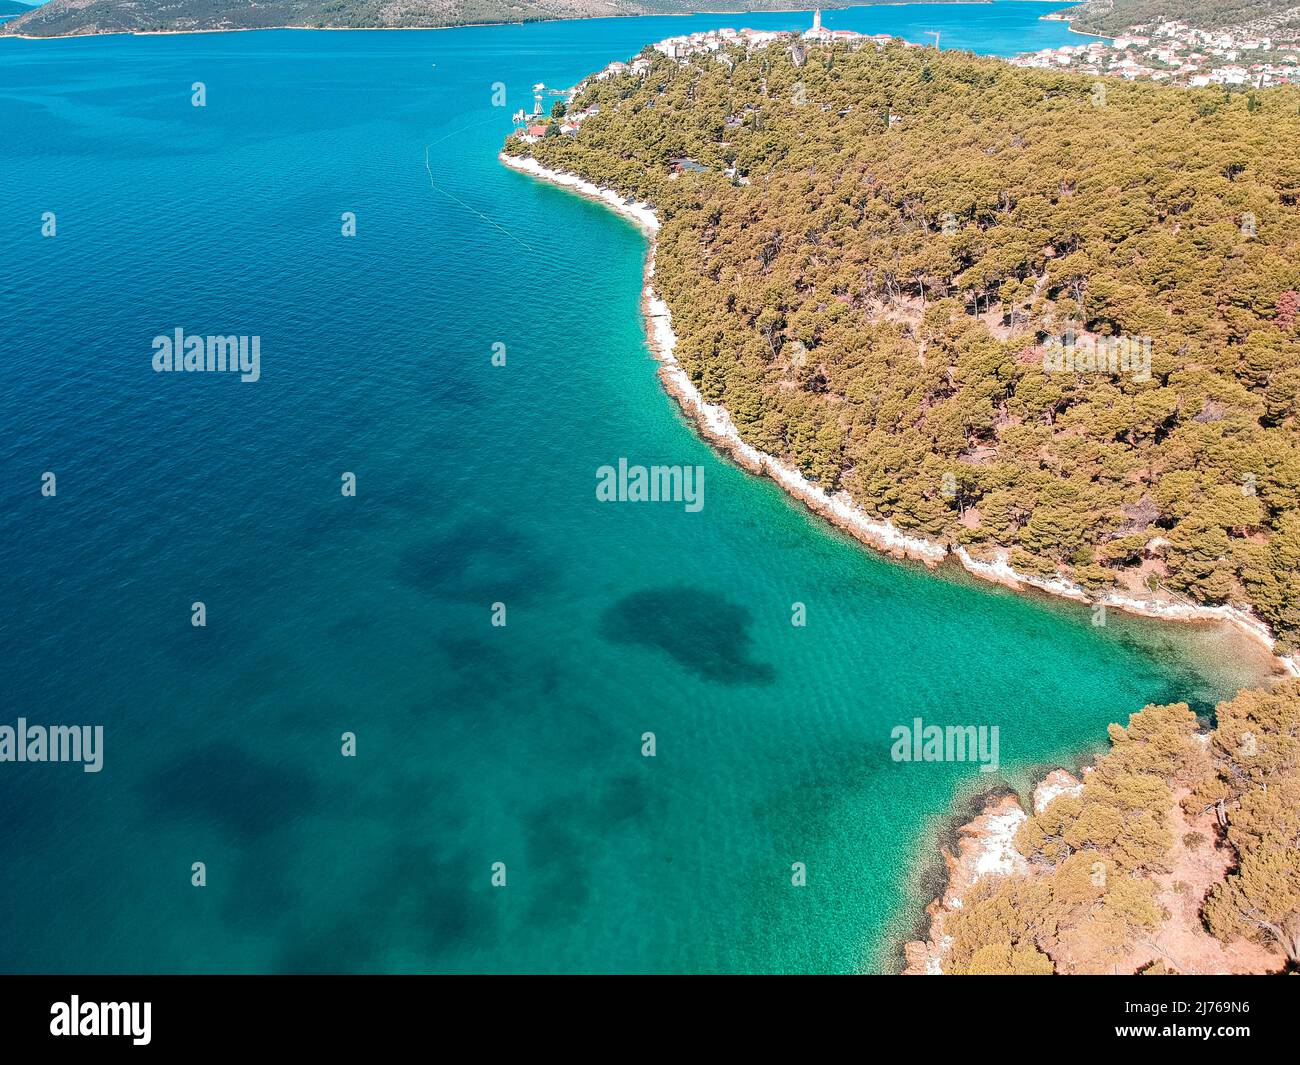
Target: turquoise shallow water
{"x": 475, "y": 485}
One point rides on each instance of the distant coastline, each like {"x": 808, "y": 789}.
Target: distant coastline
{"x": 1061, "y": 16}
{"x": 1054, "y": 17}
{"x": 267, "y": 29}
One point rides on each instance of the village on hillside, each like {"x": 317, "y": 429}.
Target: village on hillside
{"x": 537, "y": 123}
{"x": 1255, "y": 56}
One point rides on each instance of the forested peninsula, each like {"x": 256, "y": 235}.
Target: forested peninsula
{"x": 875, "y": 257}
{"x": 907, "y": 273}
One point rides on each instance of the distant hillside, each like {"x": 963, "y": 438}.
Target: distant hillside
{"x": 1109, "y": 17}
{"x": 59, "y": 18}
{"x": 66, "y": 17}
{"x": 63, "y": 18}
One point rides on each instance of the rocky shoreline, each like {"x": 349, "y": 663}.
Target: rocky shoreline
{"x": 715, "y": 424}
{"x": 985, "y": 847}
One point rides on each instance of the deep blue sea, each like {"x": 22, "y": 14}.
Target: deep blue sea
{"x": 475, "y": 744}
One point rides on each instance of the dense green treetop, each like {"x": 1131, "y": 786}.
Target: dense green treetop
{"x": 1092, "y": 901}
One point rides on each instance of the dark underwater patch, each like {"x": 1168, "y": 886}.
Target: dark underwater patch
{"x": 229, "y": 787}
{"x": 481, "y": 561}
{"x": 561, "y": 831}
{"x": 414, "y": 901}
{"x": 700, "y": 631}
